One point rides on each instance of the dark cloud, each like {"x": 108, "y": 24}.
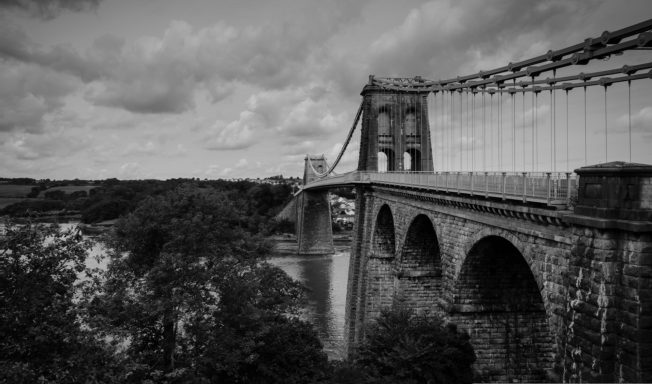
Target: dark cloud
{"x": 49, "y": 9}
{"x": 440, "y": 39}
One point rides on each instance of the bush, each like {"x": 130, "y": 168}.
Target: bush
{"x": 406, "y": 348}
{"x": 23, "y": 208}
{"x": 105, "y": 210}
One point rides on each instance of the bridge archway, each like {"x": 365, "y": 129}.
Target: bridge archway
{"x": 497, "y": 297}
{"x": 419, "y": 268}
{"x": 384, "y": 240}
{"x": 379, "y": 269}
{"x": 412, "y": 160}
{"x": 408, "y": 163}
{"x": 386, "y": 160}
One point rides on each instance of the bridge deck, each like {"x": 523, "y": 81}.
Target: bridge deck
{"x": 552, "y": 189}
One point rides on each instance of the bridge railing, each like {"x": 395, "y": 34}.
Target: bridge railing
{"x": 551, "y": 188}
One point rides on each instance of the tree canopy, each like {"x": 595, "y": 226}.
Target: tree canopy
{"x": 41, "y": 337}
{"x": 188, "y": 288}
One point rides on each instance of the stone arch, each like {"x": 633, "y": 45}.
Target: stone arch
{"x": 378, "y": 268}
{"x": 419, "y": 275}
{"x": 421, "y": 248}
{"x": 388, "y": 160}
{"x": 497, "y": 298}
{"x": 413, "y": 160}
{"x": 407, "y": 161}
{"x": 514, "y": 240}
{"x": 384, "y": 238}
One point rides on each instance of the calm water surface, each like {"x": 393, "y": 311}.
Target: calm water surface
{"x": 326, "y": 278}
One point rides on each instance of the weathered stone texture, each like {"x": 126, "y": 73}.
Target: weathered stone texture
{"x": 314, "y": 230}
{"x": 541, "y": 302}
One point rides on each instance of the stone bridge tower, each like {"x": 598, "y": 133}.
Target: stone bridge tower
{"x": 395, "y": 134}
{"x": 313, "y": 220}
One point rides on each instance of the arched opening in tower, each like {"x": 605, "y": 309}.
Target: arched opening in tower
{"x": 407, "y": 161}
{"x": 382, "y": 162}
{"x": 413, "y": 160}
{"x": 419, "y": 270}
{"x": 386, "y": 160}
{"x": 498, "y": 301}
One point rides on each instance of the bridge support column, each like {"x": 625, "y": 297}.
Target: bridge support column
{"x": 609, "y": 315}
{"x": 314, "y": 224}
{"x": 357, "y": 283}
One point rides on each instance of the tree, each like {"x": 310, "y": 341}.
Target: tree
{"x": 188, "y": 290}
{"x": 41, "y": 337}
{"x": 407, "y": 348}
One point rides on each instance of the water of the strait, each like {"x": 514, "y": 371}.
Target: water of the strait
{"x": 325, "y": 277}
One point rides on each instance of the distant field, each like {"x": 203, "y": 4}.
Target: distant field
{"x": 5, "y": 201}
{"x": 9, "y": 190}
{"x": 68, "y": 189}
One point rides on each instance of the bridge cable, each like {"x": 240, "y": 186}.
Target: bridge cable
{"x": 629, "y": 109}
{"x": 491, "y": 129}
{"x": 484, "y": 136}
{"x": 473, "y": 132}
{"x": 606, "y": 138}
{"x": 523, "y": 127}
{"x": 451, "y": 132}
{"x": 536, "y": 132}
{"x": 346, "y": 143}
{"x": 461, "y": 133}
{"x": 514, "y": 130}
{"x": 532, "y": 136}
{"x": 551, "y": 131}
{"x": 501, "y": 134}
{"x": 567, "y": 162}
{"x": 585, "y": 149}
{"x": 553, "y": 116}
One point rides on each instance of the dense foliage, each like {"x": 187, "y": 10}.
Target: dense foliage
{"x": 41, "y": 338}
{"x": 188, "y": 288}
{"x": 402, "y": 347}
{"x": 187, "y": 297}
{"x": 113, "y": 198}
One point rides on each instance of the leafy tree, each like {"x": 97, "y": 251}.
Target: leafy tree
{"x": 402, "y": 347}
{"x": 187, "y": 289}
{"x": 105, "y": 210}
{"x": 41, "y": 338}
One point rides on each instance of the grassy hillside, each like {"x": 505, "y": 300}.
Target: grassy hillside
{"x": 68, "y": 189}
{"x": 11, "y": 190}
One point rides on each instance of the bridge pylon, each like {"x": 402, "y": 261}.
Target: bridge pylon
{"x": 395, "y": 134}
{"x": 313, "y": 221}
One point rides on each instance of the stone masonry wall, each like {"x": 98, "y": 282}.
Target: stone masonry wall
{"x": 586, "y": 313}
{"x": 314, "y": 230}
{"x": 455, "y": 235}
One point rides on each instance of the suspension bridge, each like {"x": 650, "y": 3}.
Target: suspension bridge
{"x": 506, "y": 201}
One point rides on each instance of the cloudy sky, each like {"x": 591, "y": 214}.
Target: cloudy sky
{"x": 238, "y": 88}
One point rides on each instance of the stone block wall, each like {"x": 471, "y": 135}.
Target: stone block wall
{"x": 585, "y": 314}
{"x": 314, "y": 228}
{"x": 432, "y": 289}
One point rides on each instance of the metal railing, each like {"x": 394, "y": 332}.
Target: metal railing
{"x": 551, "y": 188}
